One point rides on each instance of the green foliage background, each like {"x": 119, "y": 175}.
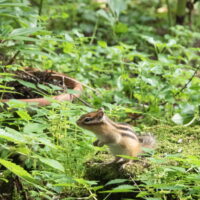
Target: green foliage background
{"x": 136, "y": 63}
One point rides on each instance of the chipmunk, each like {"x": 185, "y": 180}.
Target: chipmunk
{"x": 119, "y": 137}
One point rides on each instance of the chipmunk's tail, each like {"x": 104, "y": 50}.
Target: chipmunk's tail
{"x": 147, "y": 141}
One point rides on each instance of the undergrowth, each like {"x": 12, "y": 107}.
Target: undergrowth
{"x": 140, "y": 66}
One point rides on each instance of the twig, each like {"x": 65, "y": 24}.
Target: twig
{"x": 84, "y": 102}
{"x": 107, "y": 196}
{"x": 77, "y": 82}
{"x": 131, "y": 178}
{"x": 91, "y": 194}
{"x": 26, "y": 72}
{"x": 63, "y": 84}
{"x": 13, "y": 58}
{"x": 80, "y": 198}
{"x": 190, "y": 79}
{"x": 20, "y": 188}
{"x": 185, "y": 86}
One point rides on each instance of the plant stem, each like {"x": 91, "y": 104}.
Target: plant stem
{"x": 84, "y": 102}
{"x": 169, "y": 13}
{"x": 180, "y": 11}
{"x": 40, "y": 7}
{"x": 13, "y": 58}
{"x": 94, "y": 32}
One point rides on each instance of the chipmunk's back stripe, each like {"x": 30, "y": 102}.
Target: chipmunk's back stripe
{"x": 125, "y": 128}
{"x": 121, "y": 126}
{"x": 129, "y": 135}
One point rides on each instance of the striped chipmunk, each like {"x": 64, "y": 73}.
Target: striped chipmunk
{"x": 119, "y": 137}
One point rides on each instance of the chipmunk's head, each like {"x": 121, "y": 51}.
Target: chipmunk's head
{"x": 91, "y": 118}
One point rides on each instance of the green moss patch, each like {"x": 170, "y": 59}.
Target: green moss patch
{"x": 177, "y": 139}
{"x": 171, "y": 172}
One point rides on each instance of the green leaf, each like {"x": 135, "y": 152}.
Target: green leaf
{"x": 35, "y": 52}
{"x": 175, "y": 169}
{"x": 13, "y": 5}
{"x": 188, "y": 109}
{"x": 44, "y": 87}
{"x": 120, "y": 189}
{"x": 128, "y": 157}
{"x": 102, "y": 43}
{"x": 16, "y": 169}
{"x": 85, "y": 182}
{"x": 193, "y": 160}
{"x": 65, "y": 185}
{"x": 8, "y": 15}
{"x": 22, "y": 38}
{"x": 47, "y": 142}
{"x": 13, "y": 103}
{"x": 166, "y": 186}
{"x": 6, "y": 74}
{"x": 117, "y": 6}
{"x": 177, "y": 119}
{"x": 8, "y": 91}
{"x": 5, "y": 87}
{"x": 13, "y": 136}
{"x": 115, "y": 181}
{"x": 24, "y": 115}
{"x": 52, "y": 163}
{"x": 106, "y": 16}
{"x": 34, "y": 127}
{"x": 27, "y": 84}
{"x": 142, "y": 194}
{"x": 24, "y": 31}
{"x": 70, "y": 91}
{"x": 121, "y": 28}
{"x": 55, "y": 87}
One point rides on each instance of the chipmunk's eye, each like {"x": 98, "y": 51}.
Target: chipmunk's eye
{"x": 87, "y": 119}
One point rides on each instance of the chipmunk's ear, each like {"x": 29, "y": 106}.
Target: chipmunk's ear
{"x": 101, "y": 110}
{"x": 100, "y": 113}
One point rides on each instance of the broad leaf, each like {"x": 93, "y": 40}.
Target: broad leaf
{"x": 16, "y": 169}
{"x": 120, "y": 189}
{"x": 12, "y": 137}
{"x": 116, "y": 181}
{"x": 52, "y": 163}
{"x": 177, "y": 119}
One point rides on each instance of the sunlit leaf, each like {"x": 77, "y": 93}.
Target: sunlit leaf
{"x": 177, "y": 119}
{"x": 120, "y": 189}
{"x": 116, "y": 181}
{"x": 16, "y": 169}
{"x": 24, "y": 115}
{"x": 52, "y": 163}
{"x": 13, "y": 136}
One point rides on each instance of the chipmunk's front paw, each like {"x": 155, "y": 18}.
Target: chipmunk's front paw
{"x": 125, "y": 164}
{"x": 98, "y": 143}
{"x": 116, "y": 160}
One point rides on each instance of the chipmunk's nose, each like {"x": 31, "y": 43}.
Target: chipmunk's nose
{"x": 78, "y": 122}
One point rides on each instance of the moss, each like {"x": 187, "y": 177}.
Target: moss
{"x": 177, "y": 139}
{"x": 170, "y": 140}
